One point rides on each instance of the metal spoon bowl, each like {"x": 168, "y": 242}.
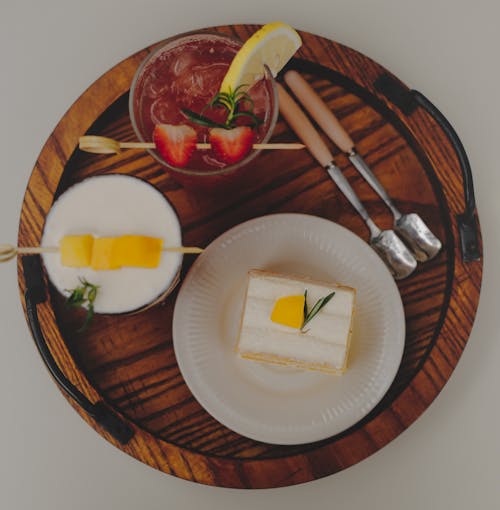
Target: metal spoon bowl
{"x": 386, "y": 243}
{"x": 424, "y": 244}
{"x": 411, "y": 227}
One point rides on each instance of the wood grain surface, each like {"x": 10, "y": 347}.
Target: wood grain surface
{"x": 129, "y": 361}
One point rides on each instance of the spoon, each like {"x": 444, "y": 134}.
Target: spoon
{"x": 386, "y": 243}
{"x": 424, "y": 244}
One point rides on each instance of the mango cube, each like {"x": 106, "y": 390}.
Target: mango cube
{"x": 139, "y": 251}
{"x": 76, "y": 251}
{"x": 104, "y": 254}
{"x": 289, "y": 311}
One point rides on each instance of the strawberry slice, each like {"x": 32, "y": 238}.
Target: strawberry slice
{"x": 231, "y": 145}
{"x": 175, "y": 144}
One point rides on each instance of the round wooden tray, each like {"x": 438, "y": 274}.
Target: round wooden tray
{"x": 123, "y": 372}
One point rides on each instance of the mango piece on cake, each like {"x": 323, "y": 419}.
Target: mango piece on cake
{"x": 289, "y": 311}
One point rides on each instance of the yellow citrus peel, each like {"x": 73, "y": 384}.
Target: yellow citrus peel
{"x": 273, "y": 46}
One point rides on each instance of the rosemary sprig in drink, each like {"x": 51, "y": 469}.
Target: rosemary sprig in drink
{"x": 84, "y": 295}
{"x": 232, "y": 102}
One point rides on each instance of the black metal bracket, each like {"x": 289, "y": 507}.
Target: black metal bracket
{"x": 408, "y": 101}
{"x": 36, "y": 294}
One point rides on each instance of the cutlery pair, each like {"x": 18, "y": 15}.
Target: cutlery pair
{"x": 400, "y": 260}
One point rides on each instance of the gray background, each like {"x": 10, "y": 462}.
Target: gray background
{"x": 50, "y": 52}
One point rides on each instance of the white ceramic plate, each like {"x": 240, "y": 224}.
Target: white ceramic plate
{"x": 283, "y": 405}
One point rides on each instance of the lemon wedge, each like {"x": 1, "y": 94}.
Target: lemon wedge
{"x": 273, "y": 45}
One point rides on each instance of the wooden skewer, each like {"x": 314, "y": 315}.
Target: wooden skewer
{"x": 105, "y": 145}
{"x": 8, "y": 252}
{"x": 183, "y": 249}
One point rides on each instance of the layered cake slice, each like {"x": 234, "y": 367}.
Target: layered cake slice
{"x": 295, "y": 321}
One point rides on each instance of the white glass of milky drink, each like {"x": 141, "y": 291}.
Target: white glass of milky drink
{"x": 113, "y": 206}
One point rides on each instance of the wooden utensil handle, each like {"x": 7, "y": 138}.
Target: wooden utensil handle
{"x": 319, "y": 110}
{"x": 303, "y": 128}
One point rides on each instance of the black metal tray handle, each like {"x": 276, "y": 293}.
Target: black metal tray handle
{"x": 407, "y": 101}
{"x": 34, "y": 295}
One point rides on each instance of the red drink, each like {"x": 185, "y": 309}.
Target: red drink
{"x": 186, "y": 73}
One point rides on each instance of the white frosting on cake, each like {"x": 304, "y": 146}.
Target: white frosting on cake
{"x": 114, "y": 205}
{"x": 326, "y": 337}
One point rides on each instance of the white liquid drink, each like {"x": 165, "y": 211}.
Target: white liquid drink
{"x": 112, "y": 206}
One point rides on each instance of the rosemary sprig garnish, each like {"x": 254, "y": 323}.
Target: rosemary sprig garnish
{"x": 232, "y": 102}
{"x": 306, "y": 313}
{"x": 309, "y": 315}
{"x": 83, "y": 295}
{"x": 198, "y": 118}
